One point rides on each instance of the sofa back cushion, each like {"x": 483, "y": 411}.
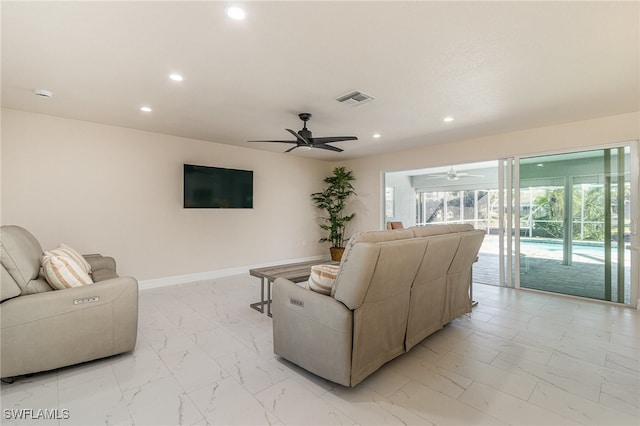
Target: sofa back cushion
{"x": 358, "y": 278}
{"x": 428, "y": 292}
{"x": 375, "y": 281}
{"x": 21, "y": 256}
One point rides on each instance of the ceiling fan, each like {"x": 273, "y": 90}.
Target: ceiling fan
{"x": 305, "y": 139}
{"x": 451, "y": 175}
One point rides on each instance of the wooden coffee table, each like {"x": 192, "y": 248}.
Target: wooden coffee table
{"x": 296, "y": 272}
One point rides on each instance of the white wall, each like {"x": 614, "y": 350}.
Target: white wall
{"x": 118, "y": 192}
{"x": 578, "y": 135}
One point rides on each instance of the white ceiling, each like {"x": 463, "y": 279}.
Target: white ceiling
{"x": 494, "y": 66}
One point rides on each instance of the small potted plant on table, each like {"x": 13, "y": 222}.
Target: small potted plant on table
{"x": 333, "y": 201}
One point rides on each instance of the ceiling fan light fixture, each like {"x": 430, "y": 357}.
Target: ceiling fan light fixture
{"x": 42, "y": 93}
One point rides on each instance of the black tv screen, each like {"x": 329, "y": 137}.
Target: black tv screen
{"x": 217, "y": 188}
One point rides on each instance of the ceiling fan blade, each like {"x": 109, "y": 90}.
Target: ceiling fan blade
{"x": 298, "y": 136}
{"x": 277, "y": 141}
{"x": 291, "y": 149}
{"x": 334, "y": 139}
{"x": 327, "y": 147}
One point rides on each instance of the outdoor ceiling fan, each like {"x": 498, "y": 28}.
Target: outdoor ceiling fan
{"x": 305, "y": 139}
{"x": 451, "y": 175}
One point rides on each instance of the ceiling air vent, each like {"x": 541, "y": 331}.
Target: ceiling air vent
{"x": 355, "y": 98}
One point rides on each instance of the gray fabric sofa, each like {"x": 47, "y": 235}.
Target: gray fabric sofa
{"x": 43, "y": 329}
{"x": 393, "y": 289}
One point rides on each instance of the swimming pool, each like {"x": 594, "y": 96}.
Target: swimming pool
{"x": 582, "y": 251}
{"x": 549, "y": 248}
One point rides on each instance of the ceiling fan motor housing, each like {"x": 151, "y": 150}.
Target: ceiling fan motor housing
{"x": 305, "y": 133}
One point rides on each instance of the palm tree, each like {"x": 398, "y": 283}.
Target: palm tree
{"x": 333, "y": 201}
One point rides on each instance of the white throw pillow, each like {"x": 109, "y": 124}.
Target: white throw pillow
{"x": 73, "y": 254}
{"x": 63, "y": 272}
{"x": 322, "y": 278}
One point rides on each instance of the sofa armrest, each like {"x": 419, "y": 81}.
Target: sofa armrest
{"x": 98, "y": 262}
{"x": 312, "y": 330}
{"x": 40, "y": 306}
{"x": 49, "y": 330}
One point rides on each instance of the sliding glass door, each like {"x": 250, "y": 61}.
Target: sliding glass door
{"x": 576, "y": 224}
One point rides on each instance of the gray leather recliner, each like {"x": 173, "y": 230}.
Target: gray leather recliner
{"x": 43, "y": 329}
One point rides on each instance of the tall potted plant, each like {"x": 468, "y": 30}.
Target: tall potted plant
{"x": 333, "y": 201}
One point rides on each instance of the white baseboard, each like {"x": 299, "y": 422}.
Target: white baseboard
{"x": 209, "y": 275}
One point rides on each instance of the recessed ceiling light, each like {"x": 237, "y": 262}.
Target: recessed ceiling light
{"x": 448, "y": 119}
{"x": 376, "y": 135}
{"x": 145, "y": 109}
{"x": 43, "y": 93}
{"x": 176, "y": 77}
{"x": 236, "y": 13}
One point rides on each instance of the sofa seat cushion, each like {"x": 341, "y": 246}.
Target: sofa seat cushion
{"x": 63, "y": 272}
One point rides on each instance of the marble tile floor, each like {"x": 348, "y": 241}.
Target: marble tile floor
{"x": 204, "y": 357}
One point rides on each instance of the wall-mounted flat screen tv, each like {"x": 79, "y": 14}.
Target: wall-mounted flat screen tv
{"x": 217, "y": 188}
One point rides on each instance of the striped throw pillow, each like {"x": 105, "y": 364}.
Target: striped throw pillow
{"x": 63, "y": 272}
{"x": 73, "y": 254}
{"x": 322, "y": 278}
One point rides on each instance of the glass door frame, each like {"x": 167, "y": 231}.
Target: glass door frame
{"x": 634, "y": 241}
